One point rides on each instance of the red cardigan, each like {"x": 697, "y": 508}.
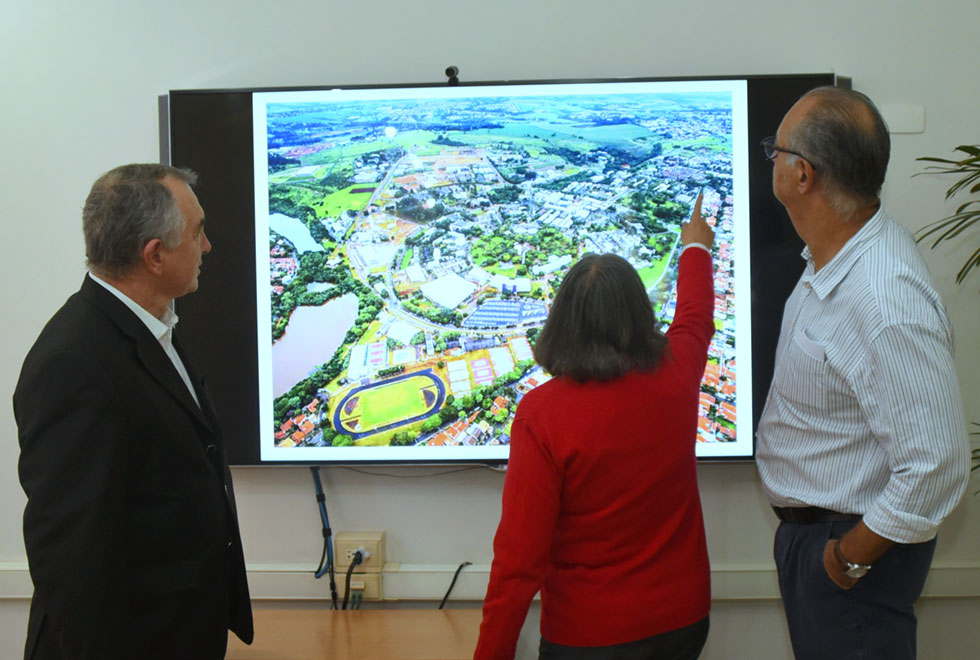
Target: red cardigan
{"x": 601, "y": 511}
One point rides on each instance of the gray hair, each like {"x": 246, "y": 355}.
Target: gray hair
{"x": 846, "y": 140}
{"x": 127, "y": 208}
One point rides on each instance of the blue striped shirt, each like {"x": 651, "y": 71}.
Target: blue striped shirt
{"x": 864, "y": 413}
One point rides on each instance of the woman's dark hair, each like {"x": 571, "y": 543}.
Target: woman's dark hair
{"x": 601, "y": 324}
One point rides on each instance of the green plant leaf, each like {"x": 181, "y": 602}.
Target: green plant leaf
{"x": 965, "y": 181}
{"x": 947, "y": 225}
{"x": 971, "y": 263}
{"x": 963, "y": 225}
{"x": 966, "y": 216}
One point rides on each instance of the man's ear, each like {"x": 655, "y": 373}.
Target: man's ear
{"x": 152, "y": 256}
{"x": 805, "y": 176}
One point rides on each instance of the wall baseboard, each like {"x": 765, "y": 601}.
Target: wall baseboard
{"x": 430, "y": 582}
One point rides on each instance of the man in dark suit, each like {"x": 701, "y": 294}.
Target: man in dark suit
{"x": 130, "y": 526}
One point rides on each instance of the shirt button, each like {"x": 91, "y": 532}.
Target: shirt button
{"x": 210, "y": 449}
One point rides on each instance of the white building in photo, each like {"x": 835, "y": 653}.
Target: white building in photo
{"x": 449, "y": 290}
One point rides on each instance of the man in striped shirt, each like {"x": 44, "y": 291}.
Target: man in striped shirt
{"x": 862, "y": 446}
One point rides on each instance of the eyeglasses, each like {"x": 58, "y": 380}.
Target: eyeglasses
{"x": 769, "y": 146}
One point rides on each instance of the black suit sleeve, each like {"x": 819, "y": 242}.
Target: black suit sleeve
{"x": 73, "y": 467}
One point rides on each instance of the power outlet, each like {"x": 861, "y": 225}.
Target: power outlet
{"x": 347, "y": 543}
{"x": 368, "y": 583}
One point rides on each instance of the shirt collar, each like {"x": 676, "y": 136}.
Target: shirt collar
{"x": 158, "y": 327}
{"x": 824, "y": 281}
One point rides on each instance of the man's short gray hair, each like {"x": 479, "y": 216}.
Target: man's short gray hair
{"x": 127, "y": 208}
{"x": 846, "y": 139}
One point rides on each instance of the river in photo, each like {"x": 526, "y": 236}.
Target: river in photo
{"x": 312, "y": 336}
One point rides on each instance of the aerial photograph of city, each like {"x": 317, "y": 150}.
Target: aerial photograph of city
{"x": 415, "y": 245}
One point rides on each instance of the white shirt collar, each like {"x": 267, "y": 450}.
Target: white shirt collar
{"x": 827, "y": 278}
{"x": 158, "y": 327}
{"x": 161, "y": 328}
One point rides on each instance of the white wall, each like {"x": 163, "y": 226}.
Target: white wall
{"x": 79, "y": 84}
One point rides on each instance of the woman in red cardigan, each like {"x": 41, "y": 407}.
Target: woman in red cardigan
{"x": 601, "y": 512}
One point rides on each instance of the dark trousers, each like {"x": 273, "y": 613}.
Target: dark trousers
{"x": 874, "y": 620}
{"x": 681, "y": 644}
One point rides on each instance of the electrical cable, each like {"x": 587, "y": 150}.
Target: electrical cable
{"x": 350, "y": 569}
{"x": 325, "y": 531}
{"x": 453, "y": 583}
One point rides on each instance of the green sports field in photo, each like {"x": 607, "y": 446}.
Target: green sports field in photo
{"x": 388, "y": 403}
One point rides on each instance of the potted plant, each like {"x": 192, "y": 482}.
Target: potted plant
{"x": 968, "y": 213}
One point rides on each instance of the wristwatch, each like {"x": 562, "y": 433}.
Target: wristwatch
{"x": 851, "y": 570}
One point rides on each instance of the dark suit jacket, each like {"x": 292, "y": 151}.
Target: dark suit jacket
{"x": 130, "y": 527}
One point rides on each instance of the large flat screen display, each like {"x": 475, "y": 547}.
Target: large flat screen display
{"x": 401, "y": 247}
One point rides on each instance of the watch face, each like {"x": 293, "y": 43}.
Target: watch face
{"x": 851, "y": 570}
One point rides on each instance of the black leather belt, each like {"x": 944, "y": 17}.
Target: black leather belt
{"x": 806, "y": 515}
